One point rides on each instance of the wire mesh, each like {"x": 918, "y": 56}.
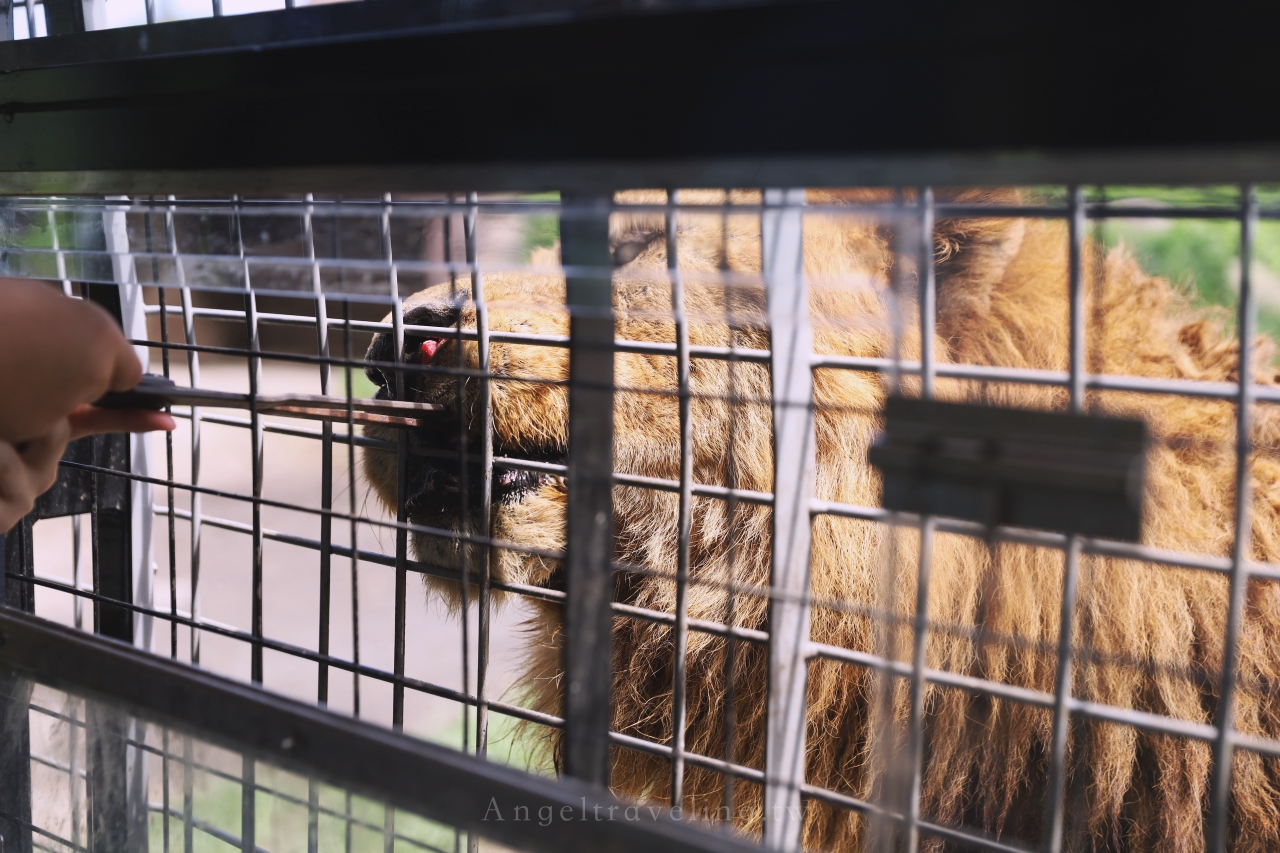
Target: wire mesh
{"x": 788, "y": 657}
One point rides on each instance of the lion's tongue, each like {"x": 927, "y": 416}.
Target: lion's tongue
{"x": 429, "y": 348}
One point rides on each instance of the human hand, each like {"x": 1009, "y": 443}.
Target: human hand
{"x": 56, "y": 356}
{"x": 29, "y": 468}
{"x": 56, "y": 353}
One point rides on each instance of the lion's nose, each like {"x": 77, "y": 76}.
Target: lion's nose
{"x": 439, "y": 315}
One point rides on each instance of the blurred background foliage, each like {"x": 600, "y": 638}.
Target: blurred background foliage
{"x": 1199, "y": 256}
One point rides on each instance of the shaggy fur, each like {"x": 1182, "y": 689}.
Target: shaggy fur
{"x": 1148, "y": 637}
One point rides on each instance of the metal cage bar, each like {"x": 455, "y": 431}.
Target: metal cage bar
{"x": 248, "y": 800}
{"x": 787, "y": 300}
{"x": 326, "y": 502}
{"x": 402, "y": 469}
{"x": 486, "y": 472}
{"x": 1054, "y": 795}
{"x": 927, "y": 307}
{"x": 1224, "y": 715}
{"x": 684, "y": 523}
{"x": 194, "y": 415}
{"x": 588, "y": 621}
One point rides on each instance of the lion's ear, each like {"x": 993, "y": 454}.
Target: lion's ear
{"x": 971, "y": 256}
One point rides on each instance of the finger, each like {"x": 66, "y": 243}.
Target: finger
{"x": 41, "y": 456}
{"x": 48, "y": 374}
{"x": 16, "y": 499}
{"x": 97, "y": 357}
{"x": 126, "y": 370}
{"x": 91, "y": 420}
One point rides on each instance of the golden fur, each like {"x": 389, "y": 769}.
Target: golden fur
{"x": 1149, "y": 637}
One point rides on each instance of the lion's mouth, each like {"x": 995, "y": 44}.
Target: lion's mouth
{"x": 444, "y": 475}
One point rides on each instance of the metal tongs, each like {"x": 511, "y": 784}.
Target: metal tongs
{"x": 155, "y": 392}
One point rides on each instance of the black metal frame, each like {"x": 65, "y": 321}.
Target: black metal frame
{"x": 281, "y": 101}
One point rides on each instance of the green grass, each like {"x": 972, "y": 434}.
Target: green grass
{"x": 361, "y": 386}
{"x": 510, "y": 743}
{"x": 281, "y": 826}
{"x": 541, "y": 230}
{"x": 1200, "y": 256}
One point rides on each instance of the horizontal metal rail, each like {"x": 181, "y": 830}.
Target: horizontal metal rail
{"x": 431, "y": 780}
{"x": 1139, "y": 207}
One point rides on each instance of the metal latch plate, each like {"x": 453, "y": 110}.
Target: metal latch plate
{"x": 1046, "y": 470}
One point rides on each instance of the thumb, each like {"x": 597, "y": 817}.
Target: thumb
{"x": 126, "y": 370}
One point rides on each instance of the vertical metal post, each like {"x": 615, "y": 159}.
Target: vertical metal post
{"x": 95, "y": 14}
{"x": 62, "y": 17}
{"x": 193, "y": 370}
{"x": 1055, "y": 805}
{"x": 353, "y": 529}
{"x": 73, "y": 749}
{"x": 122, "y": 550}
{"x": 169, "y": 496}
{"x": 188, "y": 796}
{"x": 76, "y": 538}
{"x": 685, "y": 507}
{"x": 133, "y": 319}
{"x": 464, "y": 485}
{"x": 170, "y": 516}
{"x": 15, "y": 757}
{"x": 107, "y": 778}
{"x": 164, "y": 789}
{"x": 791, "y": 346}
{"x": 588, "y": 617}
{"x": 927, "y": 300}
{"x": 402, "y": 475}
{"x": 326, "y": 451}
{"x": 141, "y": 516}
{"x": 326, "y": 503}
{"x": 112, "y": 510}
{"x": 928, "y": 291}
{"x": 248, "y": 805}
{"x": 729, "y": 670}
{"x": 6, "y": 26}
{"x": 17, "y": 559}
{"x": 1224, "y": 718}
{"x": 248, "y": 778}
{"x": 486, "y": 474}
{"x": 256, "y": 435}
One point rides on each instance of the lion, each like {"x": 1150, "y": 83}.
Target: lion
{"x": 1147, "y": 637}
